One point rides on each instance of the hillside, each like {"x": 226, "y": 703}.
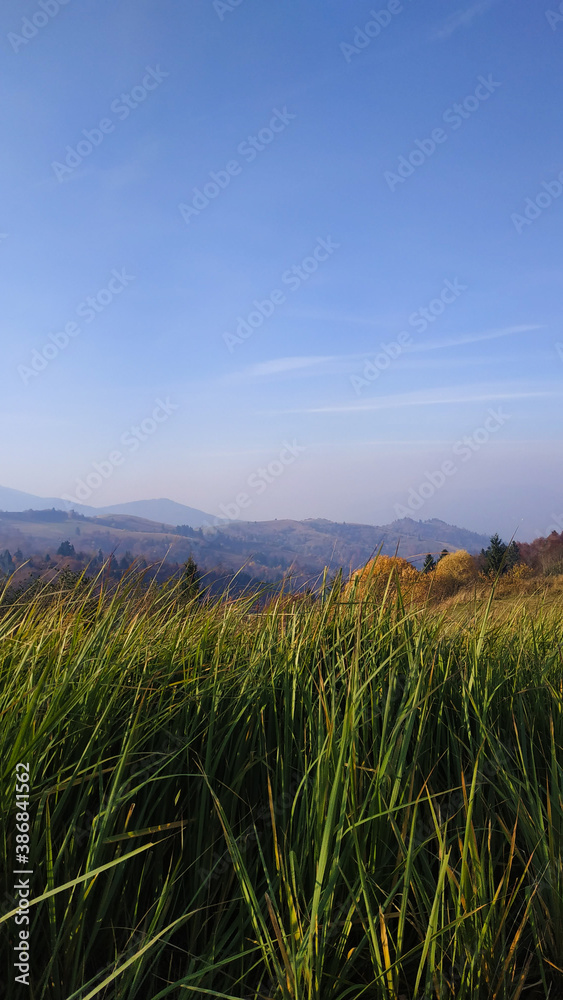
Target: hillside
{"x": 266, "y": 549}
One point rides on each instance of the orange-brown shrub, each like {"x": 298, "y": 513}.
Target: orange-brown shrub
{"x": 372, "y": 580}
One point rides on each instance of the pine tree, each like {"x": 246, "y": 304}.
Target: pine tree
{"x": 512, "y": 555}
{"x": 189, "y": 584}
{"x": 6, "y": 564}
{"x": 65, "y": 549}
{"x": 429, "y": 564}
{"x": 500, "y": 557}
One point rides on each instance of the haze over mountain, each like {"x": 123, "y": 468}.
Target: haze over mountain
{"x": 265, "y": 550}
{"x": 165, "y": 511}
{"x": 369, "y": 300}
{"x": 18, "y": 500}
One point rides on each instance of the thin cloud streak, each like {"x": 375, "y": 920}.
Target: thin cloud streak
{"x": 314, "y": 365}
{"x": 438, "y": 397}
{"x": 330, "y": 316}
{"x": 461, "y": 19}
{"x": 279, "y": 366}
{"x": 474, "y": 338}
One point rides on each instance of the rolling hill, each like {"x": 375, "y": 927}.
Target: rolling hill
{"x": 165, "y": 511}
{"x": 266, "y": 549}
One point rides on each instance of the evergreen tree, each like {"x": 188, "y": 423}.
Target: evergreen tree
{"x": 189, "y": 584}
{"x": 443, "y": 554}
{"x": 6, "y": 564}
{"x": 429, "y": 564}
{"x": 512, "y": 555}
{"x": 65, "y": 549}
{"x": 500, "y": 557}
{"x": 494, "y": 555}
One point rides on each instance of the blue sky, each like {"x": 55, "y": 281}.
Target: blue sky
{"x": 289, "y": 124}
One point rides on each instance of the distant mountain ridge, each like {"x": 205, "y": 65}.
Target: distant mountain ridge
{"x": 268, "y": 549}
{"x": 163, "y": 511}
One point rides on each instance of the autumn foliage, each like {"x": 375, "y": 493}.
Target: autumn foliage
{"x": 378, "y": 575}
{"x": 544, "y": 555}
{"x": 454, "y": 573}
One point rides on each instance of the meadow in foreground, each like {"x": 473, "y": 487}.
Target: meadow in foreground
{"x": 337, "y": 799}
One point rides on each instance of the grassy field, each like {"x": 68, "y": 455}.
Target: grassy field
{"x": 326, "y": 800}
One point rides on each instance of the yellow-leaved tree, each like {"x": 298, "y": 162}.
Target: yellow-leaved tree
{"x": 372, "y": 580}
{"x": 456, "y": 570}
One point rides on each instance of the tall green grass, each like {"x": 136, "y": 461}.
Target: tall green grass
{"x": 342, "y": 800}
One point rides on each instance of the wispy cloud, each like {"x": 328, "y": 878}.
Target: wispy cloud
{"x": 280, "y": 366}
{"x": 474, "y": 338}
{"x": 446, "y": 396}
{"x": 315, "y": 365}
{"x": 461, "y": 18}
{"x": 333, "y": 316}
